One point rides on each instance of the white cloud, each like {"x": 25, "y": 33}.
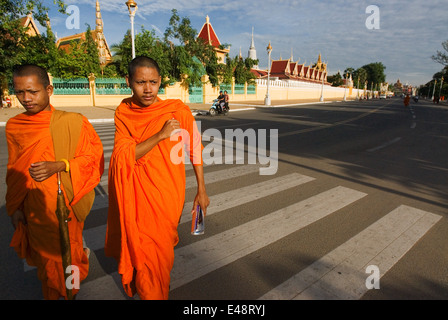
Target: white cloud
{"x": 410, "y": 30}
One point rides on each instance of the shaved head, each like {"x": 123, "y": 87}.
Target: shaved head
{"x": 139, "y": 62}
{"x": 27, "y": 70}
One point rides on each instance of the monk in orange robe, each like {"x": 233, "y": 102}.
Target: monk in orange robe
{"x": 147, "y": 182}
{"x": 34, "y": 138}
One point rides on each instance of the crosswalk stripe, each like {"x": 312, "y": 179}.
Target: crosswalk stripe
{"x": 341, "y": 274}
{"x": 199, "y": 258}
{"x": 210, "y": 177}
{"x": 102, "y": 199}
{"x": 236, "y": 197}
{"x": 95, "y": 236}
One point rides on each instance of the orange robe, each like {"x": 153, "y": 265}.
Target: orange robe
{"x": 29, "y": 140}
{"x": 146, "y": 196}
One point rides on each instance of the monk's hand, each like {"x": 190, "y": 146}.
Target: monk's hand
{"x": 17, "y": 217}
{"x": 202, "y": 200}
{"x": 41, "y": 171}
{"x": 170, "y": 128}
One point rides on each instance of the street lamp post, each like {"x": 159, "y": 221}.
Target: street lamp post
{"x": 322, "y": 91}
{"x": 267, "y": 100}
{"x": 434, "y": 89}
{"x": 429, "y": 90}
{"x": 357, "y": 91}
{"x": 132, "y": 7}
{"x": 345, "y": 87}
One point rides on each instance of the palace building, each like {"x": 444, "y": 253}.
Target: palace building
{"x": 29, "y": 24}
{"x": 104, "y": 52}
{"x": 209, "y": 36}
{"x": 288, "y": 70}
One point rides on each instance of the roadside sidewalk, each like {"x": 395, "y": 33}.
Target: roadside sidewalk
{"x": 106, "y": 114}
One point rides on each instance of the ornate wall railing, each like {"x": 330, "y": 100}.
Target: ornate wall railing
{"x": 76, "y": 86}
{"x": 112, "y": 86}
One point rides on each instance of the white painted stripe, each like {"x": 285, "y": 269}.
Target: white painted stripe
{"x": 341, "y": 274}
{"x": 111, "y": 120}
{"x": 237, "y": 197}
{"x": 217, "y": 176}
{"x": 101, "y": 196}
{"x": 197, "y": 259}
{"x": 384, "y": 145}
{"x": 95, "y": 236}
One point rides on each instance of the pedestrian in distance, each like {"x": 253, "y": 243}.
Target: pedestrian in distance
{"x": 49, "y": 149}
{"x": 147, "y": 182}
{"x": 406, "y": 100}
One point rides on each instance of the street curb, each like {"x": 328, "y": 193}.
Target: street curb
{"x": 205, "y": 112}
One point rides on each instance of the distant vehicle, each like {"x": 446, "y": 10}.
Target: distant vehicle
{"x": 216, "y": 108}
{"x": 382, "y": 96}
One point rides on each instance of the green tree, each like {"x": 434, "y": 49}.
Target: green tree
{"x": 375, "y": 73}
{"x": 335, "y": 80}
{"x": 361, "y": 75}
{"x": 442, "y": 57}
{"x": 181, "y": 31}
{"x": 91, "y": 55}
{"x": 146, "y": 44}
{"x": 13, "y": 36}
{"x": 241, "y": 72}
{"x": 80, "y": 60}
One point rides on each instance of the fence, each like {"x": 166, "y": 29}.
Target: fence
{"x": 109, "y": 92}
{"x": 71, "y": 87}
{"x": 112, "y": 86}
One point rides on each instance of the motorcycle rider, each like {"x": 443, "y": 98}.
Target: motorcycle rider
{"x": 220, "y": 101}
{"x": 226, "y": 100}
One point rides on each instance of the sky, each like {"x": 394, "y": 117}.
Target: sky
{"x": 402, "y": 34}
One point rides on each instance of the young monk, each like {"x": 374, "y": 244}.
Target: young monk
{"x": 147, "y": 182}
{"x": 43, "y": 142}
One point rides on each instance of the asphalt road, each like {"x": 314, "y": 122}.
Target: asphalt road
{"x": 360, "y": 170}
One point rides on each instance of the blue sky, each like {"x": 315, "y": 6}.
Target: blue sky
{"x": 410, "y": 31}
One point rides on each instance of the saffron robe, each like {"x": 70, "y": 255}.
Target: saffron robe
{"x": 146, "y": 196}
{"x": 29, "y": 140}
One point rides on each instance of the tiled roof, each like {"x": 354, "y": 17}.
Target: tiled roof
{"x": 208, "y": 34}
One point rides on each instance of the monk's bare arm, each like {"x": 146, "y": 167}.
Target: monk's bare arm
{"x": 201, "y": 198}
{"x": 41, "y": 171}
{"x": 144, "y": 147}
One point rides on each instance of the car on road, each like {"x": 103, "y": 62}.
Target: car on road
{"x": 382, "y": 96}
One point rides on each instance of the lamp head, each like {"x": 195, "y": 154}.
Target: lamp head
{"x": 132, "y": 6}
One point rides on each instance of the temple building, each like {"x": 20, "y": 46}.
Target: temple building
{"x": 105, "y": 55}
{"x": 30, "y": 25}
{"x": 209, "y": 36}
{"x": 288, "y": 70}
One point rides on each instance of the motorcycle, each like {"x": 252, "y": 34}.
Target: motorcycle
{"x": 217, "y": 109}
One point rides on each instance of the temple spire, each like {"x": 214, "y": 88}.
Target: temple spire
{"x": 100, "y": 36}
{"x": 252, "y": 51}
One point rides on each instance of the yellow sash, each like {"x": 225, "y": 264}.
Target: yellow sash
{"x": 65, "y": 128}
